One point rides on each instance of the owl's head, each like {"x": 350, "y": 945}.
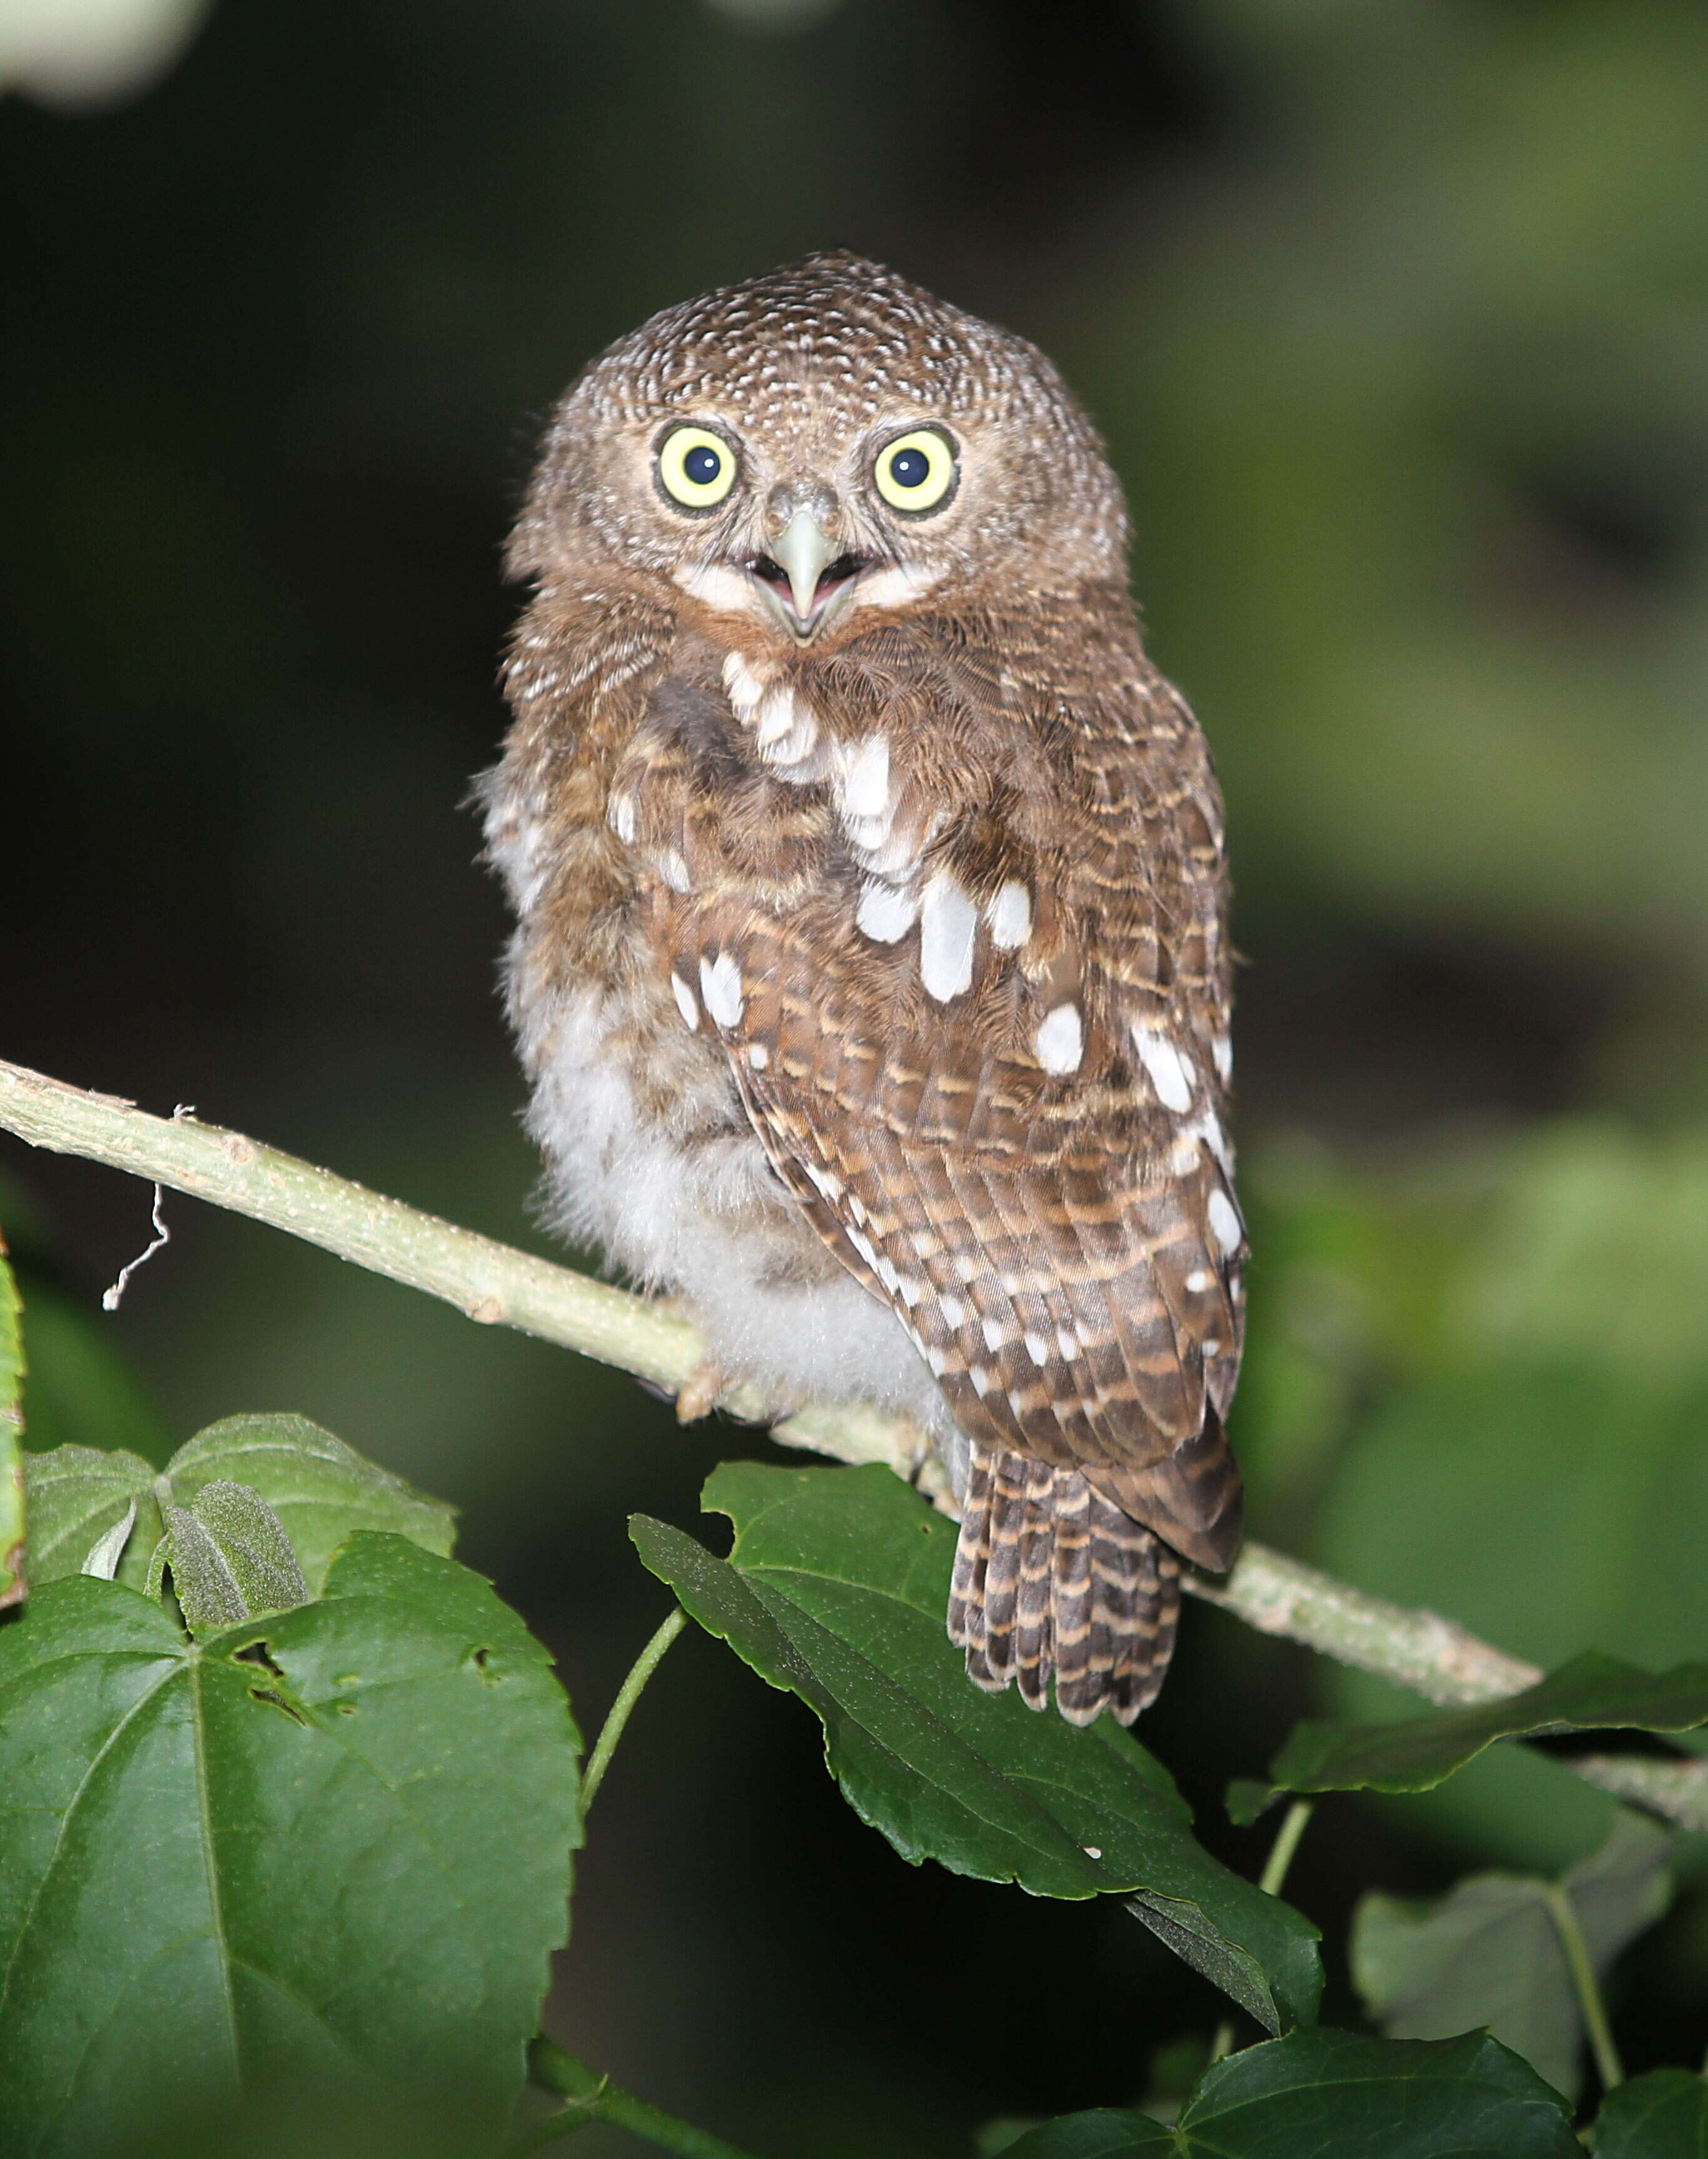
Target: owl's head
{"x": 818, "y": 444}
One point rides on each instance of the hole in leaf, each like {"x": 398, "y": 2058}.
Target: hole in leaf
{"x": 278, "y": 1701}
{"x": 256, "y": 1652}
{"x": 482, "y": 1661}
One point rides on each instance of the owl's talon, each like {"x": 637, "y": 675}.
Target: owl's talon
{"x": 698, "y": 1395}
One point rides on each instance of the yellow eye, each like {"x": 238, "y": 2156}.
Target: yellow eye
{"x": 915, "y": 472}
{"x": 696, "y": 468}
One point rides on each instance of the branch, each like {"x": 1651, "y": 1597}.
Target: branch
{"x": 592, "y": 2097}
{"x": 497, "y": 1285}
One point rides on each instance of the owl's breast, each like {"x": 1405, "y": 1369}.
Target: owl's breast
{"x": 651, "y": 1159}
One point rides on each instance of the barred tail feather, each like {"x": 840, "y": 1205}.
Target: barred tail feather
{"x": 1053, "y": 1579}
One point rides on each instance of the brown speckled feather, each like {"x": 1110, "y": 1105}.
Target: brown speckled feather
{"x": 931, "y": 903}
{"x": 1047, "y": 1239}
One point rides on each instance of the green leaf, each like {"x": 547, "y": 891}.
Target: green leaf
{"x": 329, "y": 1845}
{"x": 1662, "y": 2115}
{"x": 11, "y": 1492}
{"x": 1181, "y": 1926}
{"x": 1105, "y": 2133}
{"x": 1248, "y": 1799}
{"x": 1489, "y": 1952}
{"x": 109, "y": 1547}
{"x": 322, "y": 1491}
{"x": 993, "y": 2138}
{"x": 1593, "y": 1693}
{"x": 1318, "y": 2093}
{"x": 835, "y": 1591}
{"x": 202, "y": 1581}
{"x": 77, "y": 1495}
{"x": 230, "y": 1557}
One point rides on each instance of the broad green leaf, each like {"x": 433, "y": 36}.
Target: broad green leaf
{"x": 321, "y": 1490}
{"x": 1489, "y": 1953}
{"x": 1323, "y": 2094}
{"x": 1662, "y": 2115}
{"x": 835, "y": 1591}
{"x": 1593, "y": 1693}
{"x": 328, "y": 1846}
{"x": 230, "y": 1557}
{"x": 11, "y": 1368}
{"x": 77, "y": 1496}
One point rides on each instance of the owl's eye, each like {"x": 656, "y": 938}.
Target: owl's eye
{"x": 916, "y": 472}
{"x": 696, "y": 468}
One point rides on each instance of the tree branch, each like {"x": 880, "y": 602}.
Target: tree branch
{"x": 497, "y": 1285}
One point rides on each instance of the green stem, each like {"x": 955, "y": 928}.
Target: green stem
{"x": 592, "y": 2098}
{"x": 1287, "y": 1843}
{"x": 1274, "y": 1874}
{"x": 644, "y": 1665}
{"x": 1608, "y": 2067}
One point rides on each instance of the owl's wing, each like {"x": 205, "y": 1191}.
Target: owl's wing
{"x": 969, "y": 977}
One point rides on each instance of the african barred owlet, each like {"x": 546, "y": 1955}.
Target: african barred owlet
{"x": 870, "y": 973}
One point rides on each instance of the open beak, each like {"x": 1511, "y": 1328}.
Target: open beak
{"x": 804, "y": 554}
{"x": 805, "y": 577}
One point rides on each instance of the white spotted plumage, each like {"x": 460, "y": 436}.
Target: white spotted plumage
{"x": 896, "y": 926}
{"x": 948, "y": 925}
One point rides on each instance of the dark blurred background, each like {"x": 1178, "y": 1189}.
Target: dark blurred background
{"x": 1397, "y": 319}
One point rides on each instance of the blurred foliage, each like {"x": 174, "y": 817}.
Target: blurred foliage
{"x": 1491, "y": 1953}
{"x": 1486, "y": 1390}
{"x": 1397, "y": 319}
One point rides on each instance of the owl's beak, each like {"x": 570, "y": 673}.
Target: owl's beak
{"x": 805, "y": 565}
{"x": 804, "y": 554}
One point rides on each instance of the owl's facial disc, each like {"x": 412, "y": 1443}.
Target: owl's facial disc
{"x": 808, "y": 533}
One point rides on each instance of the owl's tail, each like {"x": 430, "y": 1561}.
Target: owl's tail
{"x": 1052, "y": 1578}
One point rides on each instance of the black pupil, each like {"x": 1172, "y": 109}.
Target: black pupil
{"x": 909, "y": 468}
{"x": 702, "y": 464}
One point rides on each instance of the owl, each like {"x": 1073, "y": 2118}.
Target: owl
{"x": 871, "y": 970}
